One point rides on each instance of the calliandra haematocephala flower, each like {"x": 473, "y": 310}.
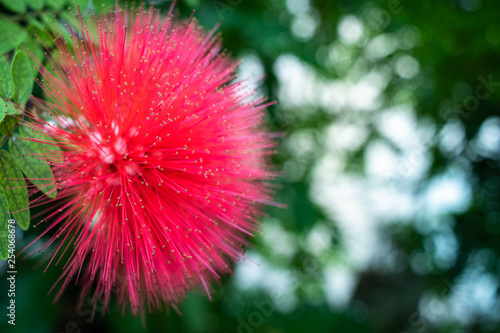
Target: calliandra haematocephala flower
{"x": 160, "y": 158}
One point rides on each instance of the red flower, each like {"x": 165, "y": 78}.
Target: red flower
{"x": 164, "y": 159}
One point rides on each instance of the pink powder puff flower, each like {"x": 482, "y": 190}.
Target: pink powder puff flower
{"x": 164, "y": 163}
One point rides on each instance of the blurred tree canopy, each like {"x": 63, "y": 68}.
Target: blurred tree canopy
{"x": 390, "y": 160}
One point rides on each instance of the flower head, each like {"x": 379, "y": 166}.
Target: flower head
{"x": 163, "y": 163}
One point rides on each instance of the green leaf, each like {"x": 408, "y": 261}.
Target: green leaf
{"x": 37, "y": 28}
{"x": 99, "y": 9}
{"x": 36, "y": 4}
{"x": 6, "y": 81}
{"x": 12, "y": 35}
{"x": 41, "y": 137}
{"x": 17, "y": 6}
{"x": 23, "y": 77}
{"x": 3, "y": 110}
{"x": 192, "y": 3}
{"x": 4, "y": 226}
{"x": 7, "y": 125}
{"x": 55, "y": 4}
{"x": 29, "y": 156}
{"x": 53, "y": 153}
{"x": 10, "y": 108}
{"x": 34, "y": 47}
{"x": 6, "y": 108}
{"x": 11, "y": 179}
{"x": 82, "y": 4}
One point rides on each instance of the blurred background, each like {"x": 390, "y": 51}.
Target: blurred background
{"x": 390, "y": 158}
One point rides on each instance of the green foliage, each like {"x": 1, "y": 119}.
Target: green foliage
{"x": 23, "y": 77}
{"x": 55, "y": 4}
{"x": 12, "y": 109}
{"x": 36, "y": 28}
{"x": 33, "y": 47}
{"x": 4, "y": 229}
{"x": 52, "y": 152}
{"x": 7, "y": 125}
{"x": 192, "y": 3}
{"x": 20, "y": 153}
{"x": 6, "y": 81}
{"x": 102, "y": 5}
{"x": 12, "y": 34}
{"x": 12, "y": 181}
{"x": 29, "y": 157}
{"x": 7, "y": 108}
{"x": 36, "y": 4}
{"x": 3, "y": 110}
{"x": 17, "y": 6}
{"x": 82, "y": 4}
